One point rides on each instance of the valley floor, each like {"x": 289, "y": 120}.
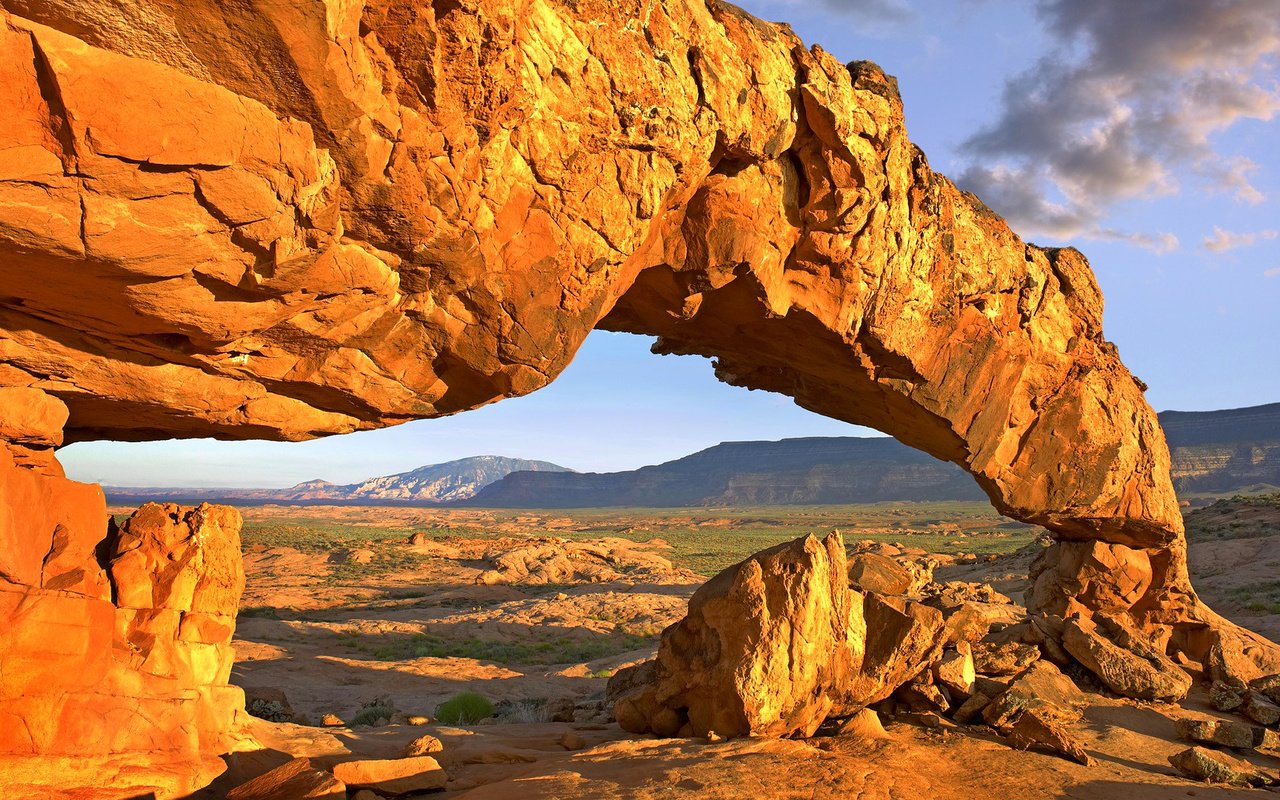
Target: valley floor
{"x": 345, "y": 613}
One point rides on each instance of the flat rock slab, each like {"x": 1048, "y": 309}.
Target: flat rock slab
{"x": 393, "y": 776}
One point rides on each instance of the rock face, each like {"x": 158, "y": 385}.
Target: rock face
{"x": 115, "y": 666}
{"x": 309, "y": 218}
{"x": 774, "y": 646}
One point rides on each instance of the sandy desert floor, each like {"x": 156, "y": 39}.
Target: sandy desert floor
{"x": 344, "y": 611}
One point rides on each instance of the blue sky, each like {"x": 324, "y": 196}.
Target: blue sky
{"x": 1144, "y": 133}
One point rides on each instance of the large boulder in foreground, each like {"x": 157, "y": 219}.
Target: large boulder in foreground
{"x": 775, "y": 645}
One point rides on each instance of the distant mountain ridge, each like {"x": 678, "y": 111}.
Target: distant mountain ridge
{"x": 1213, "y": 452}
{"x": 449, "y": 482}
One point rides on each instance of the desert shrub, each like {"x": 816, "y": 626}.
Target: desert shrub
{"x": 464, "y": 709}
{"x": 524, "y": 711}
{"x": 270, "y": 710}
{"x": 375, "y": 712}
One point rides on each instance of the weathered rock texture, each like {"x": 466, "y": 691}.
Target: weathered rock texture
{"x": 115, "y": 646}
{"x": 286, "y": 220}
{"x": 774, "y": 646}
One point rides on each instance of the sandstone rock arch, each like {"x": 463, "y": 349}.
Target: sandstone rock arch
{"x": 289, "y": 220}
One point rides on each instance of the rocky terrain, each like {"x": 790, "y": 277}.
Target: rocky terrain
{"x": 291, "y": 220}
{"x": 401, "y": 643}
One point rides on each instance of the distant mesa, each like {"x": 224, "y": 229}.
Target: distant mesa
{"x": 1214, "y": 452}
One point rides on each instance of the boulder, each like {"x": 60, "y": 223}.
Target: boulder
{"x": 298, "y": 779}
{"x": 1237, "y": 735}
{"x": 1209, "y": 766}
{"x": 773, "y": 646}
{"x": 1042, "y": 688}
{"x": 901, "y": 638}
{"x": 871, "y": 572}
{"x": 393, "y": 776}
{"x": 1008, "y": 658}
{"x": 768, "y": 649}
{"x": 1267, "y": 686}
{"x": 1226, "y": 696}
{"x": 1124, "y": 661}
{"x": 570, "y": 740}
{"x": 1259, "y": 708}
{"x": 1035, "y": 729}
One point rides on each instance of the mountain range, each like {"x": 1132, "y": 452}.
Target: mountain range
{"x": 1214, "y": 452}
{"x": 449, "y": 482}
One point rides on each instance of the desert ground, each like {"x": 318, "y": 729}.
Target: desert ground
{"x": 358, "y": 623}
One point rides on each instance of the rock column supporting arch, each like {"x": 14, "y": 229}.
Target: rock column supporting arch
{"x": 267, "y": 220}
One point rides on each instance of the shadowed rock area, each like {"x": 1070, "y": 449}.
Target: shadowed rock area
{"x": 290, "y": 220}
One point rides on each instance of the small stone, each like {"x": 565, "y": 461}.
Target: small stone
{"x": 863, "y": 725}
{"x": 572, "y": 741}
{"x": 417, "y": 719}
{"x": 1212, "y": 767}
{"x": 1260, "y": 709}
{"x": 332, "y": 721}
{"x": 423, "y": 746}
{"x": 1238, "y": 735}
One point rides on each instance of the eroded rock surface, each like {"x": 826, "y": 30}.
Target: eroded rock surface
{"x": 116, "y": 642}
{"x": 774, "y": 646}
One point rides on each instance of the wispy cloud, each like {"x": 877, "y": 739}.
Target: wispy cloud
{"x": 1125, "y": 107}
{"x": 879, "y": 10}
{"x": 1274, "y": 272}
{"x": 1222, "y": 241}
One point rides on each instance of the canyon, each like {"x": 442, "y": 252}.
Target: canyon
{"x": 291, "y": 220}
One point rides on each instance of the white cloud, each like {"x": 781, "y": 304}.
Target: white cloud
{"x": 1222, "y": 241}
{"x": 1126, "y": 108}
{"x": 1274, "y": 272}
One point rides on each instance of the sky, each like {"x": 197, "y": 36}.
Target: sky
{"x": 1146, "y": 133}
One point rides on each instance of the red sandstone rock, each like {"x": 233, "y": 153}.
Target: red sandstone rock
{"x": 773, "y": 646}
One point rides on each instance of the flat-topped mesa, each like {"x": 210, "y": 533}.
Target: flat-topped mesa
{"x": 310, "y": 218}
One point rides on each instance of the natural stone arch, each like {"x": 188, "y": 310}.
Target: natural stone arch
{"x": 291, "y": 221}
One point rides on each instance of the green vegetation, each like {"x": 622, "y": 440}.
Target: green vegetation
{"x": 376, "y": 712}
{"x": 1243, "y": 516}
{"x": 467, "y": 708}
{"x": 558, "y": 650}
{"x": 1263, "y": 598}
